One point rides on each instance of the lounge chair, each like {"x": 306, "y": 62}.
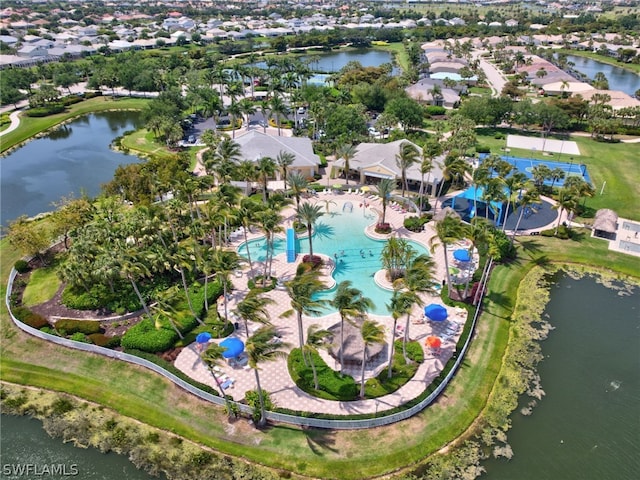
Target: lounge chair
{"x": 228, "y": 383}
{"x": 349, "y": 191}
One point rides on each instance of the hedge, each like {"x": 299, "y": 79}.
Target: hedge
{"x": 30, "y": 318}
{"x": 146, "y": 337}
{"x": 70, "y": 326}
{"x": 46, "y": 111}
{"x": 21, "y": 266}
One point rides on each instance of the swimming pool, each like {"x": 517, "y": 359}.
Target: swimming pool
{"x": 342, "y": 234}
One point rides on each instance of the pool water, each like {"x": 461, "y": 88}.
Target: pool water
{"x": 341, "y": 234}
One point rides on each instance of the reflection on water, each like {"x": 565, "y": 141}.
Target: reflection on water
{"x": 74, "y": 158}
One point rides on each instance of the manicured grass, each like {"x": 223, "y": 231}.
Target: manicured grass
{"x": 43, "y": 285}
{"x": 617, "y": 164}
{"x": 144, "y": 143}
{"x": 399, "y": 52}
{"x": 480, "y": 90}
{"x": 30, "y": 126}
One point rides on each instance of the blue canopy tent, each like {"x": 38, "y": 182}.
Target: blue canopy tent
{"x": 203, "y": 337}
{"x": 233, "y": 347}
{"x": 436, "y": 312}
{"x": 476, "y": 194}
{"x": 462, "y": 255}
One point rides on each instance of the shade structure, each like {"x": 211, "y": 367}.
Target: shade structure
{"x": 436, "y": 312}
{"x": 462, "y": 255}
{"x": 203, "y": 337}
{"x": 233, "y": 347}
{"x": 433, "y": 342}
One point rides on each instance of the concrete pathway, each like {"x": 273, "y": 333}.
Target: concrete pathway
{"x": 15, "y": 122}
{"x": 274, "y": 376}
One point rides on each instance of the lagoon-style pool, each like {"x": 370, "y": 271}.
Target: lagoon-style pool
{"x": 341, "y": 233}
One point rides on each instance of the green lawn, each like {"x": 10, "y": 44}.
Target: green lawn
{"x": 42, "y": 286}
{"x": 30, "y": 126}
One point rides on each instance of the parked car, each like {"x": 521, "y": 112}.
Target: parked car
{"x": 191, "y": 139}
{"x": 301, "y": 110}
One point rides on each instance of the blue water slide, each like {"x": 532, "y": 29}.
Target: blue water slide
{"x": 291, "y": 245}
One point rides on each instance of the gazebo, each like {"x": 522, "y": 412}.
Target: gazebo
{"x": 353, "y": 344}
{"x": 605, "y": 224}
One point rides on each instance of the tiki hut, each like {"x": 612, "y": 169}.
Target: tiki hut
{"x": 605, "y": 224}
{"x": 353, "y": 344}
{"x": 445, "y": 212}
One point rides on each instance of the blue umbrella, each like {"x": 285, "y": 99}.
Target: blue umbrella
{"x": 462, "y": 255}
{"x": 233, "y": 347}
{"x": 436, "y": 312}
{"x": 203, "y": 337}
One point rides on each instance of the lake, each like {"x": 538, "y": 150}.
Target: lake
{"x": 619, "y": 78}
{"x": 587, "y": 426}
{"x": 334, "y": 61}
{"x": 25, "y": 444}
{"x": 74, "y": 158}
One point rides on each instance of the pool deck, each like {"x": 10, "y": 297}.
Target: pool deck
{"x": 274, "y": 376}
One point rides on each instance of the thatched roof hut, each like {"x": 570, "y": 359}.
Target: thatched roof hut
{"x": 353, "y": 344}
{"x": 445, "y": 212}
{"x": 605, "y": 224}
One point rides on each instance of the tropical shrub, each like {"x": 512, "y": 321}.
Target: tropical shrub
{"x": 483, "y": 149}
{"x": 416, "y": 224}
{"x": 45, "y": 111}
{"x": 21, "y": 266}
{"x": 505, "y": 247}
{"x": 435, "y": 110}
{"x": 146, "y": 337}
{"x": 253, "y": 400}
{"x": 80, "y": 337}
{"x": 383, "y": 228}
{"x": 314, "y": 262}
{"x": 30, "y": 318}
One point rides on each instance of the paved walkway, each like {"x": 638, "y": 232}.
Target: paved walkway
{"x": 274, "y": 376}
{"x": 15, "y": 122}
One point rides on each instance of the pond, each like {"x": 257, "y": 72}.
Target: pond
{"x": 619, "y": 78}
{"x": 25, "y": 444}
{"x": 586, "y": 427}
{"x": 334, "y": 61}
{"x": 74, "y": 158}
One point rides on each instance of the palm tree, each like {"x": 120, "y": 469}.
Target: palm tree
{"x": 448, "y": 230}
{"x": 385, "y": 188}
{"x": 260, "y": 348}
{"x": 271, "y": 223}
{"x": 278, "y": 108}
{"x": 224, "y": 262}
{"x": 211, "y": 357}
{"x": 315, "y": 339}
{"x": 346, "y": 152}
{"x": 372, "y": 333}
{"x": 301, "y": 290}
{"x": 132, "y": 267}
{"x": 298, "y": 185}
{"x": 309, "y": 214}
{"x": 253, "y": 308}
{"x": 248, "y": 108}
{"x": 182, "y": 259}
{"x": 419, "y": 278}
{"x": 235, "y": 110}
{"x": 430, "y": 150}
{"x": 529, "y": 197}
{"x": 513, "y": 183}
{"x": 266, "y": 168}
{"x": 284, "y": 160}
{"x": 566, "y": 200}
{"x": 401, "y": 303}
{"x": 396, "y": 256}
{"x": 164, "y": 309}
{"x": 350, "y": 302}
{"x": 406, "y": 157}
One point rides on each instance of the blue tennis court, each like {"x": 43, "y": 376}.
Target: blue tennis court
{"x": 526, "y": 165}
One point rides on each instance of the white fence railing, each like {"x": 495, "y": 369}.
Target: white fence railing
{"x": 333, "y": 423}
